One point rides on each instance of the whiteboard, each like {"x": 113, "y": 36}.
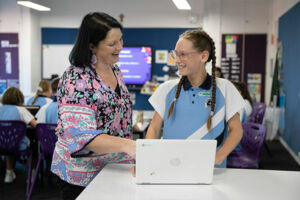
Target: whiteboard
{"x": 55, "y": 59}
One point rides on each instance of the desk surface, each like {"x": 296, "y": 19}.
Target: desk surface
{"x": 116, "y": 182}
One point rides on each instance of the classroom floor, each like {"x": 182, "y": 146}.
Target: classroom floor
{"x": 277, "y": 159}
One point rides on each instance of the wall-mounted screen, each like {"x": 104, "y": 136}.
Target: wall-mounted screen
{"x": 135, "y": 63}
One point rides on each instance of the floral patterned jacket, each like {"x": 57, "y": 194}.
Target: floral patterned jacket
{"x": 87, "y": 107}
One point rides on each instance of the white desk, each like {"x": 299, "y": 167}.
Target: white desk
{"x": 116, "y": 182}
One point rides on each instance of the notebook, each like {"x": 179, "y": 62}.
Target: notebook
{"x": 175, "y": 161}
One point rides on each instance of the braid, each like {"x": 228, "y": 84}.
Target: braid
{"x": 212, "y": 56}
{"x": 170, "y": 111}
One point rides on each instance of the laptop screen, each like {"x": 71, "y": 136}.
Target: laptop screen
{"x": 32, "y": 109}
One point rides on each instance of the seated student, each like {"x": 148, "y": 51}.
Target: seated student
{"x": 242, "y": 88}
{"x": 11, "y": 109}
{"x": 48, "y": 113}
{"x": 218, "y": 72}
{"x": 42, "y": 95}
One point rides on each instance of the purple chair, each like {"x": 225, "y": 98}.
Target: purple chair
{"x": 11, "y": 134}
{"x": 47, "y": 139}
{"x": 252, "y": 143}
{"x": 258, "y": 113}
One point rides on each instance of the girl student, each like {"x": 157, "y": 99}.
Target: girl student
{"x": 198, "y": 106}
{"x": 42, "y": 95}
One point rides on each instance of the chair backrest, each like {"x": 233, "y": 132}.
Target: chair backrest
{"x": 253, "y": 139}
{"x": 11, "y": 134}
{"x": 47, "y": 138}
{"x": 258, "y": 113}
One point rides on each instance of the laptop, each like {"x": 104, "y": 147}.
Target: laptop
{"x": 175, "y": 161}
{"x": 32, "y": 109}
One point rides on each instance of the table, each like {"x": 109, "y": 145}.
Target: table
{"x": 116, "y": 182}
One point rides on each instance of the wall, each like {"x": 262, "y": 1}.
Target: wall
{"x": 216, "y": 17}
{"x": 289, "y": 35}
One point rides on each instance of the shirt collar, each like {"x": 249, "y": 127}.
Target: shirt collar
{"x": 205, "y": 85}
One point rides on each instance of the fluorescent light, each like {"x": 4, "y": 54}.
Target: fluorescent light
{"x": 35, "y": 6}
{"x": 182, "y": 4}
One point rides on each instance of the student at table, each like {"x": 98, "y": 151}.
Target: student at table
{"x": 12, "y": 109}
{"x": 197, "y": 101}
{"x": 42, "y": 95}
{"x": 94, "y": 107}
{"x": 48, "y": 113}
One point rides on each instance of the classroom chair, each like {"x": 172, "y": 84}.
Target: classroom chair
{"x": 258, "y": 113}
{"x": 252, "y": 143}
{"x": 11, "y": 134}
{"x": 47, "y": 139}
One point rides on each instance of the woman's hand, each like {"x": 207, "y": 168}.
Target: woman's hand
{"x": 130, "y": 148}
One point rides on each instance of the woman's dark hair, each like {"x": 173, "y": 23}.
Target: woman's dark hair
{"x": 93, "y": 29}
{"x": 13, "y": 96}
{"x": 201, "y": 42}
{"x": 242, "y": 88}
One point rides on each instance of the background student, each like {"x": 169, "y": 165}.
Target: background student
{"x": 42, "y": 95}
{"x": 48, "y": 113}
{"x": 12, "y": 109}
{"x": 197, "y": 101}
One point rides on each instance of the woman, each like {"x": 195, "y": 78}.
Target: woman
{"x": 94, "y": 107}
{"x": 198, "y": 106}
{"x": 12, "y": 109}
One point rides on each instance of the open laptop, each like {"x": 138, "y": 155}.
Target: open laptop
{"x": 175, "y": 161}
{"x": 32, "y": 109}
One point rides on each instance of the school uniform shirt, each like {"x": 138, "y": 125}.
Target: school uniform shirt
{"x": 248, "y": 107}
{"x": 40, "y": 101}
{"x": 88, "y": 107}
{"x": 192, "y": 109}
{"x": 12, "y": 112}
{"x": 48, "y": 113}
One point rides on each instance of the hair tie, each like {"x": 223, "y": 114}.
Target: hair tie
{"x": 40, "y": 89}
{"x": 174, "y": 99}
{"x": 211, "y": 113}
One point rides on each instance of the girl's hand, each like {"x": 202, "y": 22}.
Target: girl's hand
{"x": 133, "y": 170}
{"x": 219, "y": 159}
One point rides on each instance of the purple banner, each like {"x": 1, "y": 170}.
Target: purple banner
{"x": 9, "y": 60}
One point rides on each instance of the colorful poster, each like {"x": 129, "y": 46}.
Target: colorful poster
{"x": 161, "y": 56}
{"x": 9, "y": 58}
{"x": 3, "y": 86}
{"x": 231, "y": 62}
{"x": 254, "y": 86}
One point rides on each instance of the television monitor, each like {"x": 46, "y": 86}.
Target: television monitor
{"x": 135, "y": 63}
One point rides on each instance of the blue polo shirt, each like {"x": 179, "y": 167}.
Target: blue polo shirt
{"x": 192, "y": 109}
{"x": 40, "y": 101}
{"x": 48, "y": 113}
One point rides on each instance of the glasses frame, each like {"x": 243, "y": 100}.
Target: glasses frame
{"x": 182, "y": 55}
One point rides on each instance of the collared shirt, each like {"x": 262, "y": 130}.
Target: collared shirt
{"x": 40, "y": 101}
{"x": 87, "y": 107}
{"x": 192, "y": 109}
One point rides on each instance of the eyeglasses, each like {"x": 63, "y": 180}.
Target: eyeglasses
{"x": 181, "y": 55}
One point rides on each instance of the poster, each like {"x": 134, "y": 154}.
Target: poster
{"x": 161, "y": 56}
{"x": 231, "y": 62}
{"x": 254, "y": 86}
{"x": 9, "y": 61}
